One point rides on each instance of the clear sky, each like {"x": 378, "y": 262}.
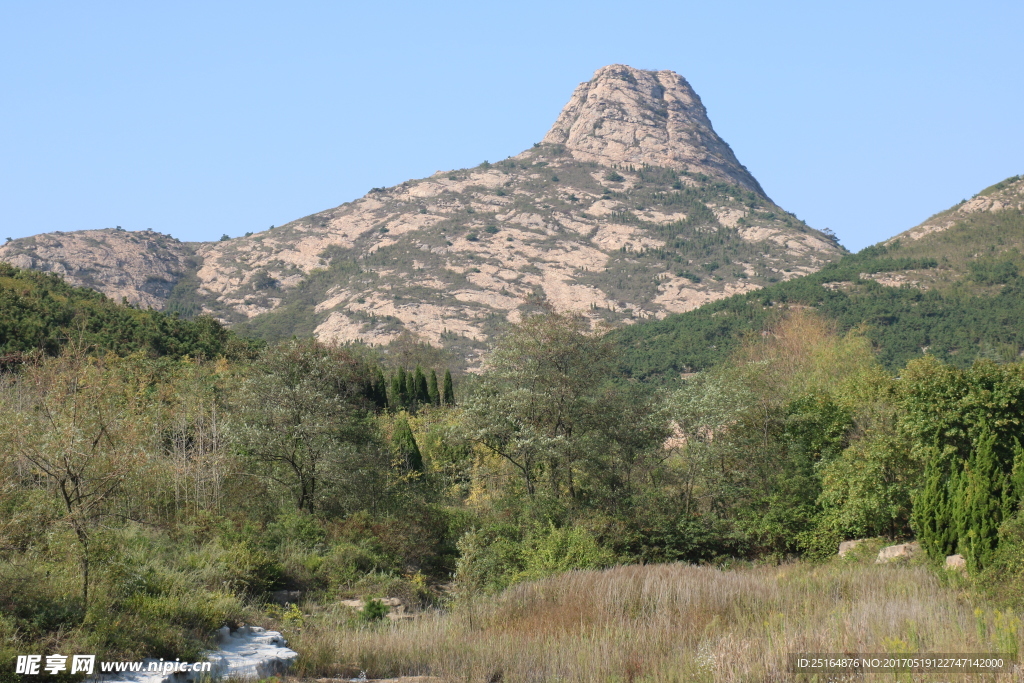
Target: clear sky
{"x": 198, "y": 119}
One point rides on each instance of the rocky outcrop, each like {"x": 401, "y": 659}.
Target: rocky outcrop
{"x": 1007, "y": 195}
{"x": 846, "y": 547}
{"x": 898, "y": 553}
{"x": 628, "y": 116}
{"x": 632, "y": 209}
{"x": 957, "y": 562}
{"x": 142, "y": 267}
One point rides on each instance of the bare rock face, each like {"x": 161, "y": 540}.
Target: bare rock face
{"x": 141, "y": 267}
{"x": 957, "y": 562}
{"x": 1005, "y": 196}
{"x": 628, "y": 116}
{"x": 897, "y": 553}
{"x": 847, "y": 547}
{"x": 632, "y": 209}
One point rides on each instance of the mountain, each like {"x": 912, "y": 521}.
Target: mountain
{"x": 631, "y": 208}
{"x": 950, "y": 287}
{"x": 40, "y": 313}
{"x": 142, "y": 267}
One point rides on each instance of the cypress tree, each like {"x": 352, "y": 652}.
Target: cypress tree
{"x": 448, "y": 393}
{"x": 981, "y": 504}
{"x": 405, "y": 446}
{"x": 422, "y": 390}
{"x": 410, "y": 389}
{"x": 380, "y": 391}
{"x": 432, "y": 391}
{"x": 398, "y": 389}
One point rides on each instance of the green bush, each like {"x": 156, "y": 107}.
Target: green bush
{"x": 553, "y": 550}
{"x": 493, "y": 559}
{"x": 373, "y": 610}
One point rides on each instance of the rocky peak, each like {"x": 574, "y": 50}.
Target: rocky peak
{"x": 629, "y": 116}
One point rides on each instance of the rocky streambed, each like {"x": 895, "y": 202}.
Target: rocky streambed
{"x": 250, "y": 652}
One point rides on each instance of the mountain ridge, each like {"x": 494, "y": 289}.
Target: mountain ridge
{"x": 647, "y": 214}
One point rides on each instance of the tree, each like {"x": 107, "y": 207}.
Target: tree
{"x": 448, "y": 393}
{"x": 545, "y": 405}
{"x": 422, "y": 388}
{"x": 965, "y": 427}
{"x": 398, "y": 395}
{"x": 405, "y": 446}
{"x": 76, "y": 425}
{"x": 303, "y": 421}
{"x": 432, "y": 390}
{"x": 379, "y": 392}
{"x": 410, "y": 390}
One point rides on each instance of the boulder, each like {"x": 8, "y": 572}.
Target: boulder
{"x": 847, "y": 546}
{"x": 957, "y": 562}
{"x": 898, "y": 553}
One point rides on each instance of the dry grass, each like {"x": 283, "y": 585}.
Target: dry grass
{"x": 668, "y": 623}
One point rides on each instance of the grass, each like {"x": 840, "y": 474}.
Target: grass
{"x": 668, "y": 623}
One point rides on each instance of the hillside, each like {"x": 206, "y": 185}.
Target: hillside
{"x": 950, "y": 287}
{"x": 41, "y": 313}
{"x": 631, "y": 208}
{"x": 142, "y": 267}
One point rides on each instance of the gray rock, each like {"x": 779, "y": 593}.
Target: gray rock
{"x": 958, "y": 562}
{"x": 846, "y": 546}
{"x": 898, "y": 553}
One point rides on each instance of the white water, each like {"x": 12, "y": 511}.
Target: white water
{"x": 248, "y": 653}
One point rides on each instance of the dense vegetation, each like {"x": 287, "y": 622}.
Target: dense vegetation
{"x": 144, "y": 502}
{"x": 957, "y": 324}
{"x": 40, "y": 313}
{"x": 162, "y": 477}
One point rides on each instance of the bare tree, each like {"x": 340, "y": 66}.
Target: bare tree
{"x": 77, "y": 431}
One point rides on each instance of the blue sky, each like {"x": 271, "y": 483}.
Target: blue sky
{"x": 198, "y": 119}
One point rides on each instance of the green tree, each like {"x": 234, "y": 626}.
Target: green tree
{"x": 81, "y": 432}
{"x": 965, "y": 427}
{"x": 410, "y": 390}
{"x": 379, "y": 392}
{"x": 432, "y": 391}
{"x": 302, "y": 420}
{"x": 546, "y": 407}
{"x": 448, "y": 394}
{"x": 404, "y": 443}
{"x": 398, "y": 395}
{"x": 422, "y": 388}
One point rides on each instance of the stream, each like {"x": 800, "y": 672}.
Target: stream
{"x": 248, "y": 653}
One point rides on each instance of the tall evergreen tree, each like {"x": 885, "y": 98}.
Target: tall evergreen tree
{"x": 422, "y": 390}
{"x": 410, "y": 389}
{"x": 448, "y": 393}
{"x": 432, "y": 390}
{"x": 404, "y": 444}
{"x": 398, "y": 389}
{"x": 980, "y": 508}
{"x": 380, "y": 392}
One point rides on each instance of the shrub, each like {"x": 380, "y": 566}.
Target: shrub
{"x": 373, "y": 610}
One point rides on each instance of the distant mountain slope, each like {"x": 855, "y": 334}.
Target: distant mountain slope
{"x": 950, "y": 287}
{"x": 632, "y": 208}
{"x": 142, "y": 267}
{"x": 41, "y": 313}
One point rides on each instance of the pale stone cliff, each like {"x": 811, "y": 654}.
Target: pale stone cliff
{"x": 142, "y": 267}
{"x": 628, "y": 116}
{"x": 631, "y": 208}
